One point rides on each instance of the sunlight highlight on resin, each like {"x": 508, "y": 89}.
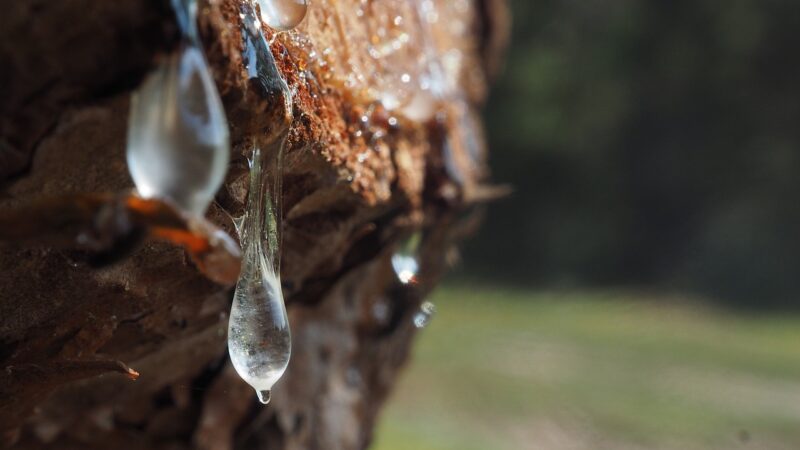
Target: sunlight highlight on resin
{"x": 405, "y": 260}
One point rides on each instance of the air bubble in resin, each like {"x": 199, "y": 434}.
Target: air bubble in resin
{"x": 423, "y": 317}
{"x": 283, "y": 15}
{"x": 178, "y": 146}
{"x": 404, "y": 260}
{"x": 259, "y": 339}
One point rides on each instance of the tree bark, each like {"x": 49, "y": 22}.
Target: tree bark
{"x": 69, "y": 332}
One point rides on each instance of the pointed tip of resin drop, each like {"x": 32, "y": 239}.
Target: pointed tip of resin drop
{"x": 264, "y": 396}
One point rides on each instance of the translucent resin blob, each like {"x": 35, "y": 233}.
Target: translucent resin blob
{"x": 259, "y": 339}
{"x": 283, "y": 15}
{"x": 405, "y": 260}
{"x": 178, "y": 145}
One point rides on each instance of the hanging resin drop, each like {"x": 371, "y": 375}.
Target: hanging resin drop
{"x": 259, "y": 339}
{"x": 404, "y": 260}
{"x": 178, "y": 145}
{"x": 283, "y": 15}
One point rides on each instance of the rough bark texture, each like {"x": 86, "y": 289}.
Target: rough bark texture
{"x": 67, "y": 70}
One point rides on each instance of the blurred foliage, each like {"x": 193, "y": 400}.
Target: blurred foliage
{"x": 511, "y": 369}
{"x": 648, "y": 142}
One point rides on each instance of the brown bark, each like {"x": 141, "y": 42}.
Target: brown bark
{"x": 69, "y": 332}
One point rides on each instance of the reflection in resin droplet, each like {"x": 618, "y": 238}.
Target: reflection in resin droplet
{"x": 283, "y": 15}
{"x": 264, "y": 396}
{"x": 259, "y": 340}
{"x": 178, "y": 146}
{"x": 423, "y": 317}
{"x": 404, "y": 260}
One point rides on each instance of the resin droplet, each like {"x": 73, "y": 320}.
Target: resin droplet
{"x": 259, "y": 340}
{"x": 404, "y": 261}
{"x": 178, "y": 144}
{"x": 264, "y": 396}
{"x": 283, "y": 15}
{"x": 423, "y": 317}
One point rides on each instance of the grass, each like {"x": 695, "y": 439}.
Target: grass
{"x": 512, "y": 369}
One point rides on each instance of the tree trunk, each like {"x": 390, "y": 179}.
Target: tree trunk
{"x": 352, "y": 191}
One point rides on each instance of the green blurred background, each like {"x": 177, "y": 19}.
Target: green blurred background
{"x": 649, "y": 142}
{"x": 639, "y": 289}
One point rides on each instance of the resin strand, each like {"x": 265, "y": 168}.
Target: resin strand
{"x": 259, "y": 339}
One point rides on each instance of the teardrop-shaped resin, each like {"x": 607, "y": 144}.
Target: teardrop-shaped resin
{"x": 259, "y": 339}
{"x": 178, "y": 139}
{"x": 283, "y": 15}
{"x": 404, "y": 260}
